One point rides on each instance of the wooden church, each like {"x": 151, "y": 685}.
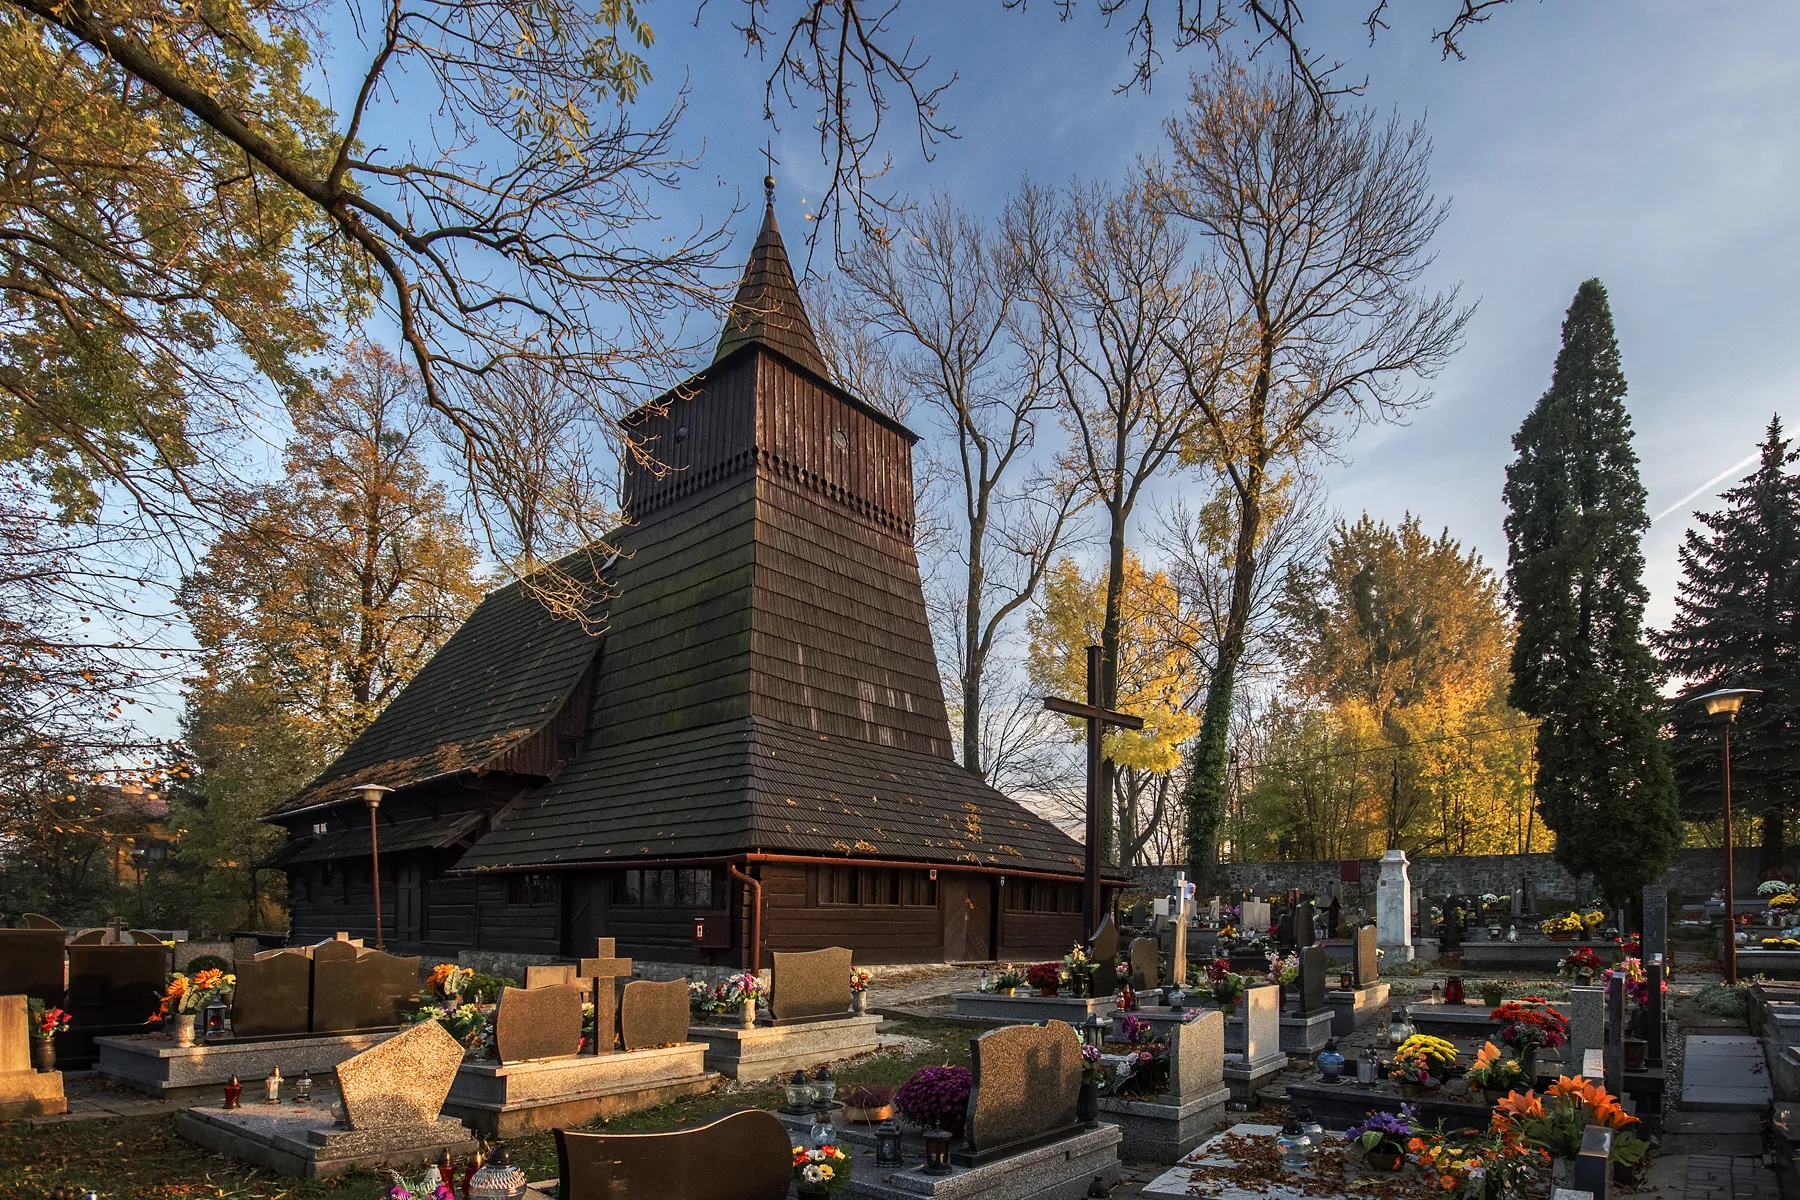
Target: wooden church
{"x": 749, "y": 748}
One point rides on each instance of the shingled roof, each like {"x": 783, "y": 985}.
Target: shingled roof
{"x": 497, "y": 681}
{"x": 768, "y": 308}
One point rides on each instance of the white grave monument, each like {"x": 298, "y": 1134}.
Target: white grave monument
{"x": 1393, "y": 907}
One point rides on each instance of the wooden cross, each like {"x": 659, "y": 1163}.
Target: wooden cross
{"x": 600, "y": 972}
{"x": 1097, "y": 719}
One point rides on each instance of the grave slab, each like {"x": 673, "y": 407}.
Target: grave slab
{"x": 1062, "y": 1170}
{"x": 1356, "y": 1008}
{"x": 766, "y": 1050}
{"x": 156, "y": 1066}
{"x": 1191, "y": 1177}
{"x": 1724, "y": 1073}
{"x": 508, "y": 1099}
{"x": 306, "y": 1143}
{"x": 1306, "y": 1035}
{"x": 1025, "y": 1009}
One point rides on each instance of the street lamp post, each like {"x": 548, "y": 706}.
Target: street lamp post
{"x": 371, "y": 795}
{"x": 1722, "y": 706}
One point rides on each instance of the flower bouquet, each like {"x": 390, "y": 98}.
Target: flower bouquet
{"x": 1582, "y": 963}
{"x": 1009, "y": 979}
{"x": 1562, "y": 928}
{"x": 1556, "y": 1121}
{"x": 1283, "y": 971}
{"x": 406, "y": 1189}
{"x": 935, "y": 1097}
{"x": 1046, "y": 977}
{"x": 1637, "y": 980}
{"x": 1775, "y": 943}
{"x": 859, "y": 979}
{"x": 705, "y": 1000}
{"x": 821, "y": 1172}
{"x": 1773, "y": 887}
{"x": 45, "y": 1022}
{"x": 1383, "y": 1137}
{"x": 1781, "y": 901}
{"x": 1496, "y": 1074}
{"x": 1227, "y": 986}
{"x": 446, "y": 984}
{"x": 1528, "y": 1023}
{"x": 1420, "y": 1061}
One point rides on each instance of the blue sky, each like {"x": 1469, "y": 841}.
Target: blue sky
{"x": 1649, "y": 144}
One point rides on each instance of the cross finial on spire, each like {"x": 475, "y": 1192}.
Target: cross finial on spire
{"x": 769, "y": 166}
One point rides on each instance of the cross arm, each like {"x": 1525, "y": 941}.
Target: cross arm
{"x": 1089, "y": 712}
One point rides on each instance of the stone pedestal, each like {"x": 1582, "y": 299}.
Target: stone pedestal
{"x": 506, "y": 1100}
{"x": 24, "y": 1092}
{"x": 1026, "y": 1009}
{"x": 1356, "y": 1007}
{"x": 766, "y": 1050}
{"x": 1393, "y": 907}
{"x": 306, "y": 1143}
{"x": 1061, "y": 1170}
{"x": 1305, "y": 1035}
{"x": 1163, "y": 1129}
{"x": 1656, "y": 921}
{"x": 160, "y": 1068}
{"x": 1246, "y": 1077}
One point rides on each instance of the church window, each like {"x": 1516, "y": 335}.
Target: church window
{"x": 531, "y": 889}
{"x": 567, "y": 747}
{"x": 876, "y": 887}
{"x": 670, "y": 887}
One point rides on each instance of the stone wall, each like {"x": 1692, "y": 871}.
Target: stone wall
{"x": 1695, "y": 873}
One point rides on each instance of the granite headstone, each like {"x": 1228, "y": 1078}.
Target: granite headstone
{"x": 1312, "y": 980}
{"x": 810, "y": 984}
{"x": 1027, "y": 1082}
{"x": 402, "y": 1081}
{"x": 1365, "y": 958}
{"x": 541, "y": 1022}
{"x": 273, "y": 994}
{"x": 1146, "y": 958}
{"x": 552, "y": 975}
{"x": 355, "y": 988}
{"x": 745, "y": 1155}
{"x": 1197, "y": 1056}
{"x": 1656, "y": 921}
{"x": 1253, "y": 917}
{"x": 1302, "y": 912}
{"x": 115, "y": 984}
{"x": 656, "y": 1014}
{"x": 1104, "y": 951}
{"x": 1653, "y": 1012}
{"x": 1262, "y": 1022}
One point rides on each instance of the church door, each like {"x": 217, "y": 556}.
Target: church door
{"x": 409, "y": 904}
{"x": 584, "y": 897}
{"x": 968, "y": 906}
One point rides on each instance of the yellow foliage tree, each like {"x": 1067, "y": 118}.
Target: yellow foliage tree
{"x": 1157, "y": 680}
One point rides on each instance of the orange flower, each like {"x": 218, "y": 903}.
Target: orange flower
{"x": 1488, "y": 1055}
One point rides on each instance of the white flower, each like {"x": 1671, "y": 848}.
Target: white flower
{"x": 813, "y": 1174}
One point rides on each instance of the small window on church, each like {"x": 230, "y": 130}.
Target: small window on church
{"x": 318, "y": 828}
{"x": 567, "y": 747}
{"x": 531, "y": 889}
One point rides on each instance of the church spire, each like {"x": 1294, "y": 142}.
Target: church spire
{"x": 768, "y": 308}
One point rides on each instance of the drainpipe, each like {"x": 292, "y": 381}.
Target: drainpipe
{"x": 755, "y": 886}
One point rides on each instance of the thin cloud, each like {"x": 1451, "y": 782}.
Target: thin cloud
{"x": 1727, "y": 473}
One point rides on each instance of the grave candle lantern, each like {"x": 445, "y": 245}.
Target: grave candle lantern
{"x": 824, "y": 1087}
{"x": 937, "y": 1152}
{"x": 233, "y": 1090}
{"x": 799, "y": 1093}
{"x": 272, "y": 1085}
{"x": 887, "y": 1144}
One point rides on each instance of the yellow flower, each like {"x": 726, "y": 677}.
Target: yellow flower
{"x": 825, "y": 1171}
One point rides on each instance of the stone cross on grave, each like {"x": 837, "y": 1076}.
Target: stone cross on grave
{"x": 1097, "y": 719}
{"x": 1181, "y": 907}
{"x": 599, "y": 973}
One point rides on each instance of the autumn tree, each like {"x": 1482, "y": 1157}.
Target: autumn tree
{"x": 314, "y": 610}
{"x": 1737, "y": 624}
{"x": 1317, "y": 224}
{"x": 1574, "y": 529}
{"x": 1123, "y": 311}
{"x": 1157, "y": 680}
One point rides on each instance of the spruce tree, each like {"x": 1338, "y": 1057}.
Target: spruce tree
{"x": 1737, "y": 624}
{"x": 1580, "y": 665}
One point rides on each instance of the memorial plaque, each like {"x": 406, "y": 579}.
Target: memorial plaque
{"x": 403, "y": 1081}
{"x": 556, "y": 975}
{"x": 1365, "y": 958}
{"x": 1312, "y": 980}
{"x": 1146, "y": 958}
{"x": 746, "y": 1155}
{"x": 273, "y": 994}
{"x": 656, "y": 1014}
{"x": 115, "y": 985}
{"x": 1027, "y": 1080}
{"x": 31, "y": 963}
{"x": 809, "y": 985}
{"x": 600, "y": 973}
{"x": 1197, "y": 1056}
{"x": 541, "y": 1022}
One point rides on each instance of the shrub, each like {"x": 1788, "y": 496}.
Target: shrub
{"x": 207, "y": 962}
{"x": 1719, "y": 1000}
{"x": 935, "y": 1096}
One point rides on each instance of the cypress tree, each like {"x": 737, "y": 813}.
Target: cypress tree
{"x": 1580, "y": 665}
{"x": 1737, "y": 624}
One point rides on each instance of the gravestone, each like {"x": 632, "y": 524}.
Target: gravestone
{"x": 1262, "y": 1022}
{"x": 1334, "y": 916}
{"x": 1365, "y": 960}
{"x": 1197, "y": 1055}
{"x": 1181, "y": 908}
{"x": 1145, "y": 960}
{"x": 403, "y": 1081}
{"x": 1027, "y": 1082}
{"x": 38, "y": 921}
{"x": 1656, "y": 921}
{"x": 1615, "y": 1034}
{"x": 656, "y": 1014}
{"x": 90, "y": 937}
{"x": 554, "y": 975}
{"x": 745, "y": 1155}
{"x": 1312, "y": 980}
{"x": 809, "y": 985}
{"x": 1253, "y": 917}
{"x": 1653, "y": 1012}
{"x": 533, "y": 1023}
{"x": 1212, "y": 911}
{"x": 1587, "y": 1020}
{"x": 601, "y": 973}
{"x": 31, "y": 963}
{"x": 273, "y": 994}
{"x": 115, "y": 984}
{"x": 1393, "y": 906}
{"x": 356, "y": 988}
{"x": 1104, "y": 952}
{"x": 24, "y": 1091}
{"x": 1303, "y": 913}
{"x": 1593, "y": 1162}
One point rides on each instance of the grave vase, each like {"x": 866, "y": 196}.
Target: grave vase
{"x": 184, "y": 1029}
{"x": 748, "y": 1014}
{"x": 43, "y": 1054}
{"x": 859, "y": 1003}
{"x": 1087, "y": 1104}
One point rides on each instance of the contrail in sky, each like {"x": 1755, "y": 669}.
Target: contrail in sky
{"x": 1709, "y": 484}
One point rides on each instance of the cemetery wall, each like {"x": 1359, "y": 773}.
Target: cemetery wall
{"x": 1695, "y": 873}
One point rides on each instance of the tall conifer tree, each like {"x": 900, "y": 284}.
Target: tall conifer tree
{"x": 1574, "y": 525}
{"x": 1737, "y": 624}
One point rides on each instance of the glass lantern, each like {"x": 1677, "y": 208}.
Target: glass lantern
{"x": 824, "y": 1087}
{"x": 1293, "y": 1145}
{"x": 822, "y": 1133}
{"x": 1368, "y": 1068}
{"x": 303, "y": 1087}
{"x": 1093, "y": 1030}
{"x": 213, "y": 1017}
{"x": 887, "y": 1144}
{"x": 937, "y": 1152}
{"x": 800, "y": 1093}
{"x": 498, "y": 1179}
{"x": 1437, "y": 993}
{"x": 1309, "y": 1125}
{"x": 1331, "y": 1061}
{"x": 1177, "y": 999}
{"x": 1400, "y": 1027}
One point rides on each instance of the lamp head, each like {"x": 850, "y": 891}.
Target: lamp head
{"x": 1723, "y": 705}
{"x": 371, "y": 794}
